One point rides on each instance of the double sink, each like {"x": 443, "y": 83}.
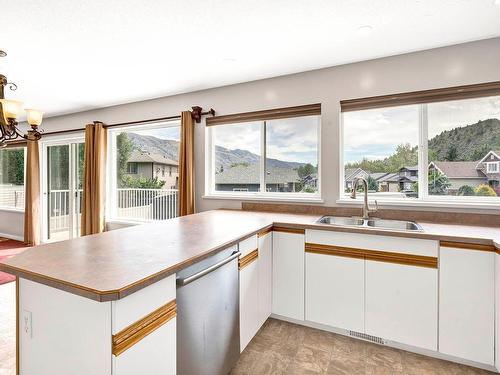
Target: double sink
{"x": 403, "y": 225}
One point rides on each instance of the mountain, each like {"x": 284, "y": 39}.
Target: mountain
{"x": 223, "y": 156}
{"x": 466, "y": 143}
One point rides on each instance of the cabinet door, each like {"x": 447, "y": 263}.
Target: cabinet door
{"x": 402, "y": 303}
{"x": 265, "y": 276}
{"x": 288, "y": 275}
{"x": 466, "y": 307}
{"x": 335, "y": 291}
{"x": 249, "y": 302}
{"x": 154, "y": 354}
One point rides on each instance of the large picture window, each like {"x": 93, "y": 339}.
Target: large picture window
{"x": 275, "y": 157}
{"x": 144, "y": 170}
{"x": 12, "y": 178}
{"x": 444, "y": 149}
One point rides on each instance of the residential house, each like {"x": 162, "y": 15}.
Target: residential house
{"x": 246, "y": 178}
{"x": 472, "y": 173}
{"x": 153, "y": 165}
{"x": 351, "y": 174}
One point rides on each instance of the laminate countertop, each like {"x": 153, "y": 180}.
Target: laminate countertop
{"x": 114, "y": 264}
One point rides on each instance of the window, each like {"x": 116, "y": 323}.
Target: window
{"x": 131, "y": 168}
{"x": 140, "y": 190}
{"x": 442, "y": 149}
{"x": 274, "y": 156}
{"x": 492, "y": 167}
{"x": 12, "y": 177}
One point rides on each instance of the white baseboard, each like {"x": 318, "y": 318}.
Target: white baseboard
{"x": 12, "y": 237}
{"x": 392, "y": 344}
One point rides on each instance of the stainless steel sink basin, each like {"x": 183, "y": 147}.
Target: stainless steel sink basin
{"x": 394, "y": 224}
{"x": 374, "y": 223}
{"x": 340, "y": 220}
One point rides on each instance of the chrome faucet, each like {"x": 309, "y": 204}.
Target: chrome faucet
{"x": 366, "y": 208}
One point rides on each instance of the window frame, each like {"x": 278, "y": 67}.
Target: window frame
{"x": 262, "y": 195}
{"x": 25, "y": 152}
{"x": 422, "y": 99}
{"x": 111, "y": 183}
{"x": 490, "y": 164}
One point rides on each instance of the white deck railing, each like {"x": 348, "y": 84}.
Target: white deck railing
{"x": 132, "y": 204}
{"x": 146, "y": 204}
{"x": 12, "y": 196}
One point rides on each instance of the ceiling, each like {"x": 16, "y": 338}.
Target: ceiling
{"x": 73, "y": 55}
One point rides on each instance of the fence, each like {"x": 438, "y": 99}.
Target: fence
{"x": 146, "y": 204}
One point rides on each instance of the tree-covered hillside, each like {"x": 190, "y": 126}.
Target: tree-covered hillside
{"x": 466, "y": 143}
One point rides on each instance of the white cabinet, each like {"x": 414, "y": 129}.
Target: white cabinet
{"x": 156, "y": 352}
{"x": 466, "y": 307}
{"x": 250, "y": 313}
{"x": 497, "y": 310}
{"x": 402, "y": 303}
{"x": 335, "y": 291}
{"x": 288, "y": 274}
{"x": 265, "y": 276}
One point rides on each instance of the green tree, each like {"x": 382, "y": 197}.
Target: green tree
{"x": 466, "y": 190}
{"x": 485, "y": 190}
{"x": 142, "y": 183}
{"x": 12, "y": 164}
{"x": 124, "y": 147}
{"x": 372, "y": 184}
{"x": 438, "y": 183}
{"x": 306, "y": 170}
{"x": 452, "y": 153}
{"x": 404, "y": 155}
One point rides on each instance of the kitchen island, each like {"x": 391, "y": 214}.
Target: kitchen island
{"x": 105, "y": 304}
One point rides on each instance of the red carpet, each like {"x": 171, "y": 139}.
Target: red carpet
{"x": 9, "y": 248}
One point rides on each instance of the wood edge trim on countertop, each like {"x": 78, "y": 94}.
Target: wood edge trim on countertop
{"x": 375, "y": 255}
{"x": 468, "y": 246}
{"x": 18, "y": 365}
{"x": 263, "y": 232}
{"x": 289, "y": 230}
{"x": 247, "y": 259}
{"x": 135, "y": 332}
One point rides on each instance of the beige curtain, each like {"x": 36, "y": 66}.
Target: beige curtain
{"x": 186, "y": 165}
{"x": 32, "y": 193}
{"x": 94, "y": 184}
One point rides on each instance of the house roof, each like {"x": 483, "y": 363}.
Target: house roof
{"x": 389, "y": 177}
{"x": 411, "y": 168}
{"x": 351, "y": 173}
{"x": 458, "y": 169}
{"x": 494, "y": 152}
{"x": 150, "y": 157}
{"x": 241, "y": 174}
{"x": 378, "y": 175}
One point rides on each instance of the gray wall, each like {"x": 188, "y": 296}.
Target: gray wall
{"x": 449, "y": 66}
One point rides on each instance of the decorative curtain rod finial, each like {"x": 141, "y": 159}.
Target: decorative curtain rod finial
{"x": 196, "y": 113}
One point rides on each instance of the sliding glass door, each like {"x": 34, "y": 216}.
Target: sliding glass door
{"x": 62, "y": 183}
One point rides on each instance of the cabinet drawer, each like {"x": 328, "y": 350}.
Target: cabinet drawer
{"x": 403, "y": 245}
{"x": 136, "y": 306}
{"x": 247, "y": 246}
{"x": 155, "y": 354}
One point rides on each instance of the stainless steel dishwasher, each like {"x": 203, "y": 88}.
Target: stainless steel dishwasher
{"x": 208, "y": 321}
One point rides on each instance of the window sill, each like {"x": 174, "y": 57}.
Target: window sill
{"x": 423, "y": 203}
{"x": 11, "y": 209}
{"x": 268, "y": 198}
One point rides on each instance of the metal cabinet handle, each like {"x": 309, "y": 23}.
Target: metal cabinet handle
{"x": 196, "y": 276}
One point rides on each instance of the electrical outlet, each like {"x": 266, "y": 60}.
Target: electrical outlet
{"x": 27, "y": 323}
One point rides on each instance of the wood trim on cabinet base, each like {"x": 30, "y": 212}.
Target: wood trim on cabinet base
{"x": 289, "y": 230}
{"x": 467, "y": 246}
{"x": 135, "y": 332}
{"x": 247, "y": 259}
{"x": 375, "y": 255}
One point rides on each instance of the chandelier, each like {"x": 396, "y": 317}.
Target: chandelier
{"x": 9, "y": 112}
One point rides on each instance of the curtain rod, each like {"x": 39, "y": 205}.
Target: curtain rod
{"x": 196, "y": 113}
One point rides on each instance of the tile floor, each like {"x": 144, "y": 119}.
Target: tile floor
{"x": 285, "y": 348}
{"x": 8, "y": 329}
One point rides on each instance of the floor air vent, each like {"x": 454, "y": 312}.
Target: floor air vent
{"x": 364, "y": 336}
